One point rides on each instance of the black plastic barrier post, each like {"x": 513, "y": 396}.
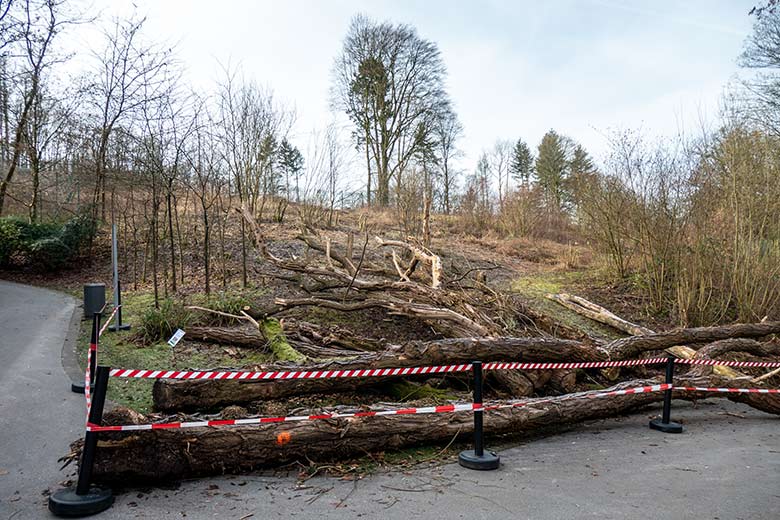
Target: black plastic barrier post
{"x": 78, "y": 387}
{"x": 119, "y": 325}
{"x": 478, "y": 458}
{"x": 665, "y": 425}
{"x": 86, "y": 500}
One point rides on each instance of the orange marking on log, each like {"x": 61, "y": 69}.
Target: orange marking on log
{"x": 283, "y": 438}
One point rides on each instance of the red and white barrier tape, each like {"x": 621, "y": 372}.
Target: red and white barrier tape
{"x": 450, "y": 408}
{"x": 91, "y": 351}
{"x": 108, "y": 321}
{"x": 496, "y": 365}
{"x": 715, "y": 362}
{"x": 729, "y": 390}
{"x": 369, "y": 372}
{"x": 638, "y": 390}
{"x": 294, "y": 418}
{"x": 308, "y": 374}
{"x": 409, "y": 371}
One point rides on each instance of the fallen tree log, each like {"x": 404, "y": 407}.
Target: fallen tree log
{"x": 598, "y": 313}
{"x": 164, "y": 455}
{"x": 719, "y": 348}
{"x": 171, "y": 394}
{"x": 238, "y": 336}
{"x": 251, "y": 338}
{"x": 331, "y": 336}
{"x": 628, "y": 348}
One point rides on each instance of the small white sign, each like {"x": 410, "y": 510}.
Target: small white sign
{"x": 176, "y": 337}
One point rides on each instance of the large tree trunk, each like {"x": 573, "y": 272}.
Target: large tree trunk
{"x": 628, "y": 348}
{"x": 158, "y": 455}
{"x": 170, "y": 394}
{"x": 248, "y": 337}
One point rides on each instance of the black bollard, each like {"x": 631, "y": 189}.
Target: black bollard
{"x": 665, "y": 425}
{"x": 119, "y": 325}
{"x": 93, "y": 343}
{"x": 478, "y": 458}
{"x": 86, "y": 500}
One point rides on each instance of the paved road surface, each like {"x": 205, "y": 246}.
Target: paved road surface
{"x": 725, "y": 466}
{"x": 39, "y": 415}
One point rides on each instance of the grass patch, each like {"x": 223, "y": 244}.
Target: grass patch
{"x": 124, "y": 350}
{"x": 536, "y": 286}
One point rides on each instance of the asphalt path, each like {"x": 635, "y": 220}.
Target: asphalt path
{"x": 726, "y": 465}
{"x": 39, "y": 415}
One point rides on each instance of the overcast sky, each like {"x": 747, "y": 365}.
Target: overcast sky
{"x": 516, "y": 68}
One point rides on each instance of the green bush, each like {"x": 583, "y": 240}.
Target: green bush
{"x": 10, "y": 240}
{"x": 160, "y": 323}
{"x": 48, "y": 246}
{"x": 79, "y": 232}
{"x": 49, "y": 254}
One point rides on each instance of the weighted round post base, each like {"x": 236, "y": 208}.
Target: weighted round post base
{"x": 488, "y": 460}
{"x": 670, "y": 427}
{"x": 114, "y": 328}
{"x": 67, "y": 503}
{"x": 77, "y": 388}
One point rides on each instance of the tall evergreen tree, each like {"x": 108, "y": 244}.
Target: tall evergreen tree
{"x": 581, "y": 164}
{"x": 582, "y": 174}
{"x": 291, "y": 164}
{"x": 552, "y": 170}
{"x": 522, "y": 165}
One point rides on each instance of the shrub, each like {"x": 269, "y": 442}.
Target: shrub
{"x": 47, "y": 246}
{"x": 49, "y": 254}
{"x": 79, "y": 232}
{"x": 10, "y": 240}
{"x": 160, "y": 323}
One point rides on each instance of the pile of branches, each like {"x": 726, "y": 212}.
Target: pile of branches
{"x": 471, "y": 321}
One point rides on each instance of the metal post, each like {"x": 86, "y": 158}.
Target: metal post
{"x": 93, "y": 346}
{"x": 665, "y": 425}
{"x": 86, "y": 500}
{"x": 78, "y": 387}
{"x": 117, "y": 286}
{"x": 119, "y": 325}
{"x": 115, "y": 264}
{"x": 478, "y": 458}
{"x": 90, "y": 439}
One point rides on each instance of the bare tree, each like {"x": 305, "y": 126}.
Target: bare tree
{"x": 251, "y": 126}
{"x": 390, "y": 82}
{"x": 205, "y": 180}
{"x": 38, "y": 24}
{"x": 47, "y": 118}
{"x": 128, "y": 73}
{"x": 335, "y": 162}
{"x": 447, "y": 130}
{"x": 500, "y": 158}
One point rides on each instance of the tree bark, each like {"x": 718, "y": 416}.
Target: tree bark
{"x": 628, "y": 348}
{"x": 171, "y": 394}
{"x": 598, "y": 313}
{"x": 161, "y": 455}
{"x": 241, "y": 337}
